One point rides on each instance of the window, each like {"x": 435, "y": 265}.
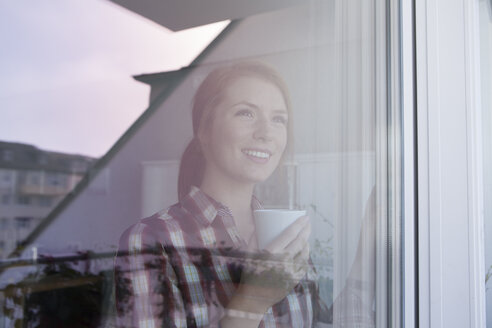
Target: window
{"x": 78, "y": 166}
{"x": 34, "y": 178}
{"x": 56, "y": 179}
{"x": 297, "y": 120}
{"x": 23, "y": 222}
{"x": 53, "y": 179}
{"x": 23, "y": 200}
{"x": 45, "y": 201}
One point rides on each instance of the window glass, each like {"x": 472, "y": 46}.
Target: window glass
{"x": 486, "y": 98}
{"x": 22, "y": 222}
{"x": 250, "y": 187}
{"x": 23, "y": 200}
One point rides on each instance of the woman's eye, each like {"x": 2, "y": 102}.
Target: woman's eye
{"x": 244, "y": 112}
{"x": 280, "y": 119}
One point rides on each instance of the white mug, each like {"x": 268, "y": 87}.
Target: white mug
{"x": 271, "y": 222}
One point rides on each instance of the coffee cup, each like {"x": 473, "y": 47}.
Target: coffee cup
{"x": 271, "y": 222}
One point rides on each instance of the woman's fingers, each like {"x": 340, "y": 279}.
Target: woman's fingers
{"x": 288, "y": 235}
{"x": 296, "y": 254}
{"x": 303, "y": 254}
{"x": 300, "y": 241}
{"x": 286, "y": 258}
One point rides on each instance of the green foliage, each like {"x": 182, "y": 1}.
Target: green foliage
{"x": 323, "y": 248}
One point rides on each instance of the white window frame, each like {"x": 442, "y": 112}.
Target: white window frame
{"x": 450, "y": 254}
{"x": 409, "y": 187}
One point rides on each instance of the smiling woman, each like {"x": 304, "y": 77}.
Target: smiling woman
{"x": 240, "y": 124}
{"x": 198, "y": 263}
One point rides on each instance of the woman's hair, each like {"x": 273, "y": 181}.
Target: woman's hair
{"x": 206, "y": 99}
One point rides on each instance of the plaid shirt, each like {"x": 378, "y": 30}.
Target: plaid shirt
{"x": 174, "y": 269}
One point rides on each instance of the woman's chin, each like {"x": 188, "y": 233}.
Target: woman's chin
{"x": 258, "y": 177}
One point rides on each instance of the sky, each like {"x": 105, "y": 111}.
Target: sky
{"x": 66, "y": 70}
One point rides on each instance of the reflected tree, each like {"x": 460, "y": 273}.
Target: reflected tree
{"x": 58, "y": 295}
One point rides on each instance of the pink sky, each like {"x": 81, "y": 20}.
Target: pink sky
{"x": 67, "y": 67}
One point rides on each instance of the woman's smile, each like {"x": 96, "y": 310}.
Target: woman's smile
{"x": 258, "y": 156}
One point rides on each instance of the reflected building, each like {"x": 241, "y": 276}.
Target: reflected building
{"x": 32, "y": 182}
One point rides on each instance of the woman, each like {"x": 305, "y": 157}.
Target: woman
{"x": 186, "y": 266}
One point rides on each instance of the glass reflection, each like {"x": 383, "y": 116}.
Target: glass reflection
{"x": 254, "y": 145}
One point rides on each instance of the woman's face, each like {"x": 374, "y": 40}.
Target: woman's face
{"x": 248, "y": 134}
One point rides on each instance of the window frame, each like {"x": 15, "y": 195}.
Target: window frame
{"x": 448, "y": 181}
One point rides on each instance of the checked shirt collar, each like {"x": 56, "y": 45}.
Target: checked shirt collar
{"x": 206, "y": 210}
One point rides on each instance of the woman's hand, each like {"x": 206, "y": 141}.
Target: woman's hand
{"x": 271, "y": 276}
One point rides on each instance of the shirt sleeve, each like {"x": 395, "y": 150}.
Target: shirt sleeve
{"x": 146, "y": 289}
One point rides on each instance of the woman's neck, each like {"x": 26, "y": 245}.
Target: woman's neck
{"x": 235, "y": 196}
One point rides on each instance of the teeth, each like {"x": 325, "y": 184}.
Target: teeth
{"x": 259, "y": 154}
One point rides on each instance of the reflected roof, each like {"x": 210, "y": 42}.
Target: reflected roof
{"x": 174, "y": 78}
{"x": 182, "y": 14}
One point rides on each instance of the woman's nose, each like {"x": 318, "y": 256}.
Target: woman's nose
{"x": 263, "y": 130}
